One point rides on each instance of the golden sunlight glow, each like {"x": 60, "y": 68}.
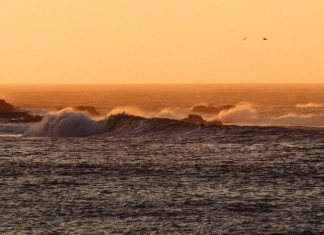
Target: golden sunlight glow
{"x": 162, "y": 41}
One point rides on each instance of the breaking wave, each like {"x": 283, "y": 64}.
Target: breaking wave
{"x": 69, "y": 123}
{"x": 130, "y": 120}
{"x": 66, "y": 123}
{"x": 169, "y": 113}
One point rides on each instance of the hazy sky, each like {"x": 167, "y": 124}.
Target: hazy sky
{"x": 149, "y": 41}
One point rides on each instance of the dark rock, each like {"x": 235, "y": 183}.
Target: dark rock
{"x": 19, "y": 117}
{"x": 84, "y": 108}
{"x": 8, "y": 113}
{"x": 6, "y": 107}
{"x": 196, "y": 119}
{"x": 89, "y": 109}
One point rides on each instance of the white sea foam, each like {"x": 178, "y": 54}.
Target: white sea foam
{"x": 310, "y": 105}
{"x": 66, "y": 122}
{"x": 247, "y": 114}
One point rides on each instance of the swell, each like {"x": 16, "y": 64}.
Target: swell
{"x": 68, "y": 123}
{"x": 71, "y": 123}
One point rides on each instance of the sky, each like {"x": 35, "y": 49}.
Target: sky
{"x": 161, "y": 41}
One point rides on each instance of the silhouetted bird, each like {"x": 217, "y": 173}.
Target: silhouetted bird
{"x": 265, "y": 39}
{"x": 244, "y": 38}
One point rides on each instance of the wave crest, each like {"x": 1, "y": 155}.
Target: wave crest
{"x": 66, "y": 122}
{"x": 69, "y": 123}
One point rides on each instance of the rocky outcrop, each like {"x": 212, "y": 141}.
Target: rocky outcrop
{"x": 196, "y": 119}
{"x": 6, "y": 107}
{"x": 19, "y": 117}
{"x": 8, "y": 113}
{"x": 84, "y": 108}
{"x": 89, "y": 109}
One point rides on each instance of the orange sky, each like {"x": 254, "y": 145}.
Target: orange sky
{"x": 145, "y": 41}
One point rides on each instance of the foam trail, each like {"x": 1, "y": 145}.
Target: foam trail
{"x": 131, "y": 110}
{"x": 310, "y": 105}
{"x": 247, "y": 114}
{"x": 171, "y": 113}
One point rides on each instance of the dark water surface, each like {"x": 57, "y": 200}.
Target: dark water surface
{"x": 207, "y": 180}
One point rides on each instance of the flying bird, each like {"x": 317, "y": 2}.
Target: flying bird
{"x": 265, "y": 39}
{"x": 244, "y": 38}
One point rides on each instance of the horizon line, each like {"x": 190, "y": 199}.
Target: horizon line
{"x": 175, "y": 83}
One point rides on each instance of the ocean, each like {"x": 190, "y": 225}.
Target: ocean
{"x": 138, "y": 169}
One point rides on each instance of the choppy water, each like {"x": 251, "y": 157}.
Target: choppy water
{"x": 75, "y": 174}
{"x": 194, "y": 179}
